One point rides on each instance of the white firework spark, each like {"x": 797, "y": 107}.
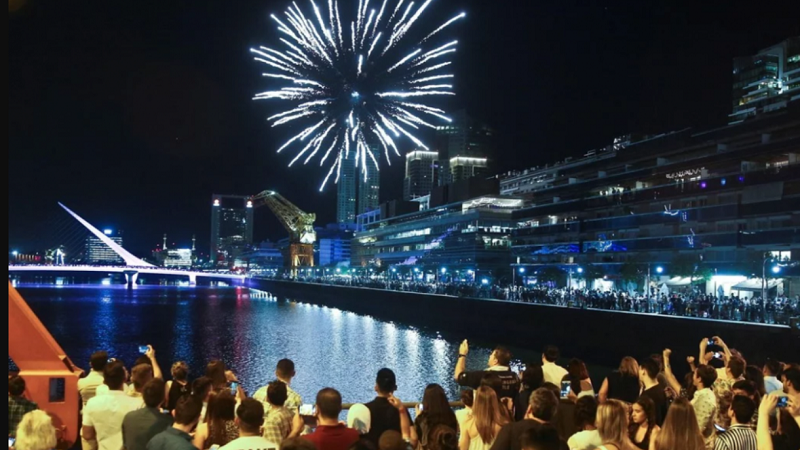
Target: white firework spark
{"x": 350, "y": 96}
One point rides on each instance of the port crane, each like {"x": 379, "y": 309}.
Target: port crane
{"x": 297, "y": 222}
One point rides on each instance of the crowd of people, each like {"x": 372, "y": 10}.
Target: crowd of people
{"x": 775, "y": 310}
{"x": 708, "y": 402}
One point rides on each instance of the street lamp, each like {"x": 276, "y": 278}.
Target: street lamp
{"x": 15, "y": 253}
{"x": 659, "y": 270}
{"x": 485, "y": 281}
{"x": 776, "y": 269}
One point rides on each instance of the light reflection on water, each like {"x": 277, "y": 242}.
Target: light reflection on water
{"x": 330, "y": 347}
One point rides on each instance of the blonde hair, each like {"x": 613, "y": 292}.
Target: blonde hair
{"x": 629, "y": 366}
{"x": 680, "y": 429}
{"x": 487, "y": 413}
{"x": 612, "y": 423}
{"x": 36, "y": 432}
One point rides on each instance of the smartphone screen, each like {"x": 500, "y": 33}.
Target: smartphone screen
{"x": 718, "y": 355}
{"x": 234, "y": 388}
{"x": 308, "y": 410}
{"x": 11, "y": 442}
{"x": 711, "y": 342}
{"x": 565, "y": 387}
{"x": 143, "y": 349}
{"x": 783, "y": 402}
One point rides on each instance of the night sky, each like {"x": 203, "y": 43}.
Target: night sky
{"x": 134, "y": 113}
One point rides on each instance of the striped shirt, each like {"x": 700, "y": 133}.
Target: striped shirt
{"x": 738, "y": 437}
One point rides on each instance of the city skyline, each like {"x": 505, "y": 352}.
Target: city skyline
{"x": 185, "y": 157}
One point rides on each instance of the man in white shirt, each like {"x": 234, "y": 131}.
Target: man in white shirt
{"x": 705, "y": 403}
{"x": 553, "y": 373}
{"x": 87, "y": 386}
{"x": 771, "y": 382}
{"x": 103, "y": 415}
{"x": 249, "y": 418}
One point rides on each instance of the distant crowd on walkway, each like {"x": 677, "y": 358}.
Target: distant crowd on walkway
{"x": 775, "y": 310}
{"x": 717, "y": 399}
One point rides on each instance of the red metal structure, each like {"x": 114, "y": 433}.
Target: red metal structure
{"x": 50, "y": 376}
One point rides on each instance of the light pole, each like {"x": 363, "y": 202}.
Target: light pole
{"x": 767, "y": 257}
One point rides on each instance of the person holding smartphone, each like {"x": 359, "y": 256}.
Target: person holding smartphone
{"x": 329, "y": 434}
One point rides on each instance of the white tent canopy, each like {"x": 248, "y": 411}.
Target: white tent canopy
{"x": 754, "y": 284}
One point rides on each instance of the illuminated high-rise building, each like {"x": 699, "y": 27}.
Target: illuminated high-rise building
{"x": 465, "y": 167}
{"x": 346, "y": 191}
{"x": 97, "y": 252}
{"x": 462, "y": 137}
{"x": 422, "y": 174}
{"x": 766, "y": 81}
{"x": 369, "y": 188}
{"x": 231, "y": 226}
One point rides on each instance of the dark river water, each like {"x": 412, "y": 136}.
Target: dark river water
{"x": 251, "y": 332}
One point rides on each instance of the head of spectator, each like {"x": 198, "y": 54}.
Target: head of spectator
{"x": 140, "y": 376}
{"x": 180, "y": 372}
{"x": 359, "y": 418}
{"x": 285, "y": 370}
{"x": 114, "y": 375}
{"x": 250, "y": 417}
{"x": 629, "y": 367}
{"x": 742, "y": 410}
{"x": 153, "y": 393}
{"x": 532, "y": 377}
{"x": 98, "y": 361}
{"x": 221, "y": 409}
{"x": 500, "y": 357}
{"x": 435, "y": 406}
{"x": 643, "y": 412}
{"x": 329, "y": 406}
{"x": 277, "y": 393}
{"x": 756, "y": 376}
{"x": 577, "y": 372}
{"x": 297, "y": 443}
{"x": 187, "y": 413}
{"x": 612, "y": 423}
{"x": 791, "y": 381}
{"x": 772, "y": 368}
{"x": 704, "y": 377}
{"x": 552, "y": 388}
{"x": 385, "y": 382}
{"x": 541, "y": 438}
{"x": 36, "y": 432}
{"x": 442, "y": 437}
{"x": 488, "y": 413}
{"x": 392, "y": 440}
{"x": 362, "y": 444}
{"x": 542, "y": 406}
{"x": 16, "y": 386}
{"x": 550, "y": 354}
{"x": 585, "y": 413}
{"x": 680, "y": 429}
{"x": 735, "y": 368}
{"x": 648, "y": 372}
{"x": 142, "y": 359}
{"x": 201, "y": 389}
{"x": 746, "y": 388}
{"x": 468, "y": 398}
{"x": 492, "y": 380}
{"x": 215, "y": 371}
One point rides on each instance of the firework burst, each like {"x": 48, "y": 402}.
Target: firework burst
{"x": 359, "y": 87}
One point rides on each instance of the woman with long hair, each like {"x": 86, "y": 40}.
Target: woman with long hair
{"x": 680, "y": 430}
{"x": 580, "y": 383}
{"x": 612, "y": 424}
{"x": 215, "y": 371}
{"x": 488, "y": 417}
{"x": 643, "y": 422}
{"x": 36, "y": 432}
{"x": 623, "y": 383}
{"x": 434, "y": 411}
{"x": 220, "y": 426}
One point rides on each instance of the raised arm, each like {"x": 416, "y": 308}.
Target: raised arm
{"x": 703, "y": 348}
{"x": 602, "y": 396}
{"x": 461, "y": 365}
{"x": 151, "y": 353}
{"x": 671, "y": 380}
{"x": 727, "y": 351}
{"x": 764, "y": 436}
{"x": 405, "y": 420}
